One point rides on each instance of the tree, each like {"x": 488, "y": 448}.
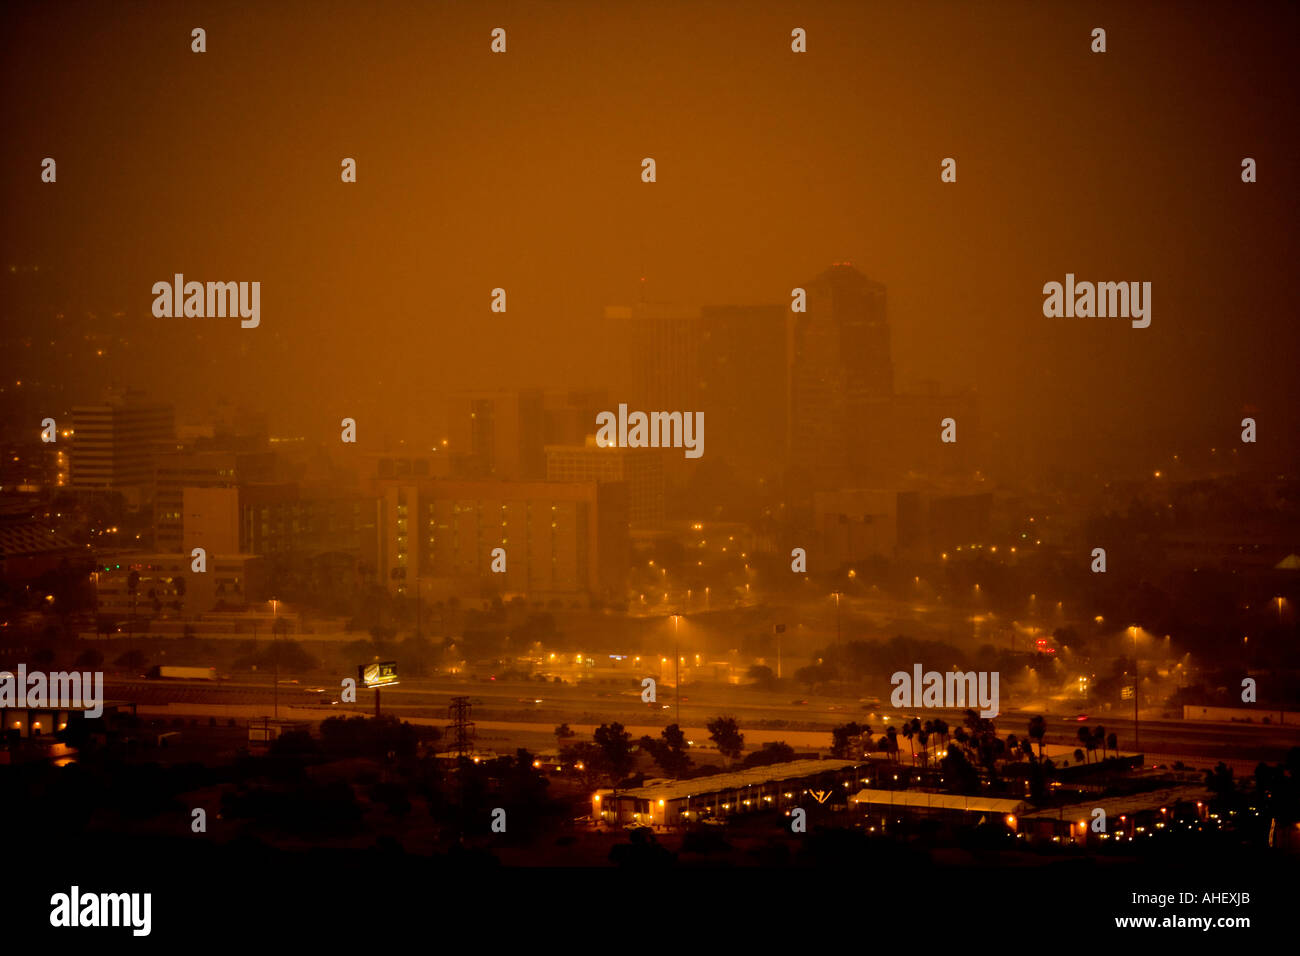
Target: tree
{"x": 774, "y": 751}
{"x": 941, "y": 730}
{"x": 910, "y": 727}
{"x": 1037, "y": 731}
{"x": 1219, "y": 781}
{"x": 563, "y": 733}
{"x": 675, "y": 741}
{"x": 1085, "y": 738}
{"x": 91, "y": 659}
{"x": 846, "y": 740}
{"x": 585, "y": 758}
{"x": 958, "y": 769}
{"x": 725, "y": 733}
{"x": 762, "y": 676}
{"x": 615, "y": 745}
{"x": 668, "y": 750}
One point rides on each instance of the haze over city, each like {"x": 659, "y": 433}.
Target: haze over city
{"x": 583, "y": 435}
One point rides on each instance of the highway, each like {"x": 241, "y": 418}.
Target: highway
{"x": 533, "y": 707}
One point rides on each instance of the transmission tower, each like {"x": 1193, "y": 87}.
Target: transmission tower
{"x": 462, "y": 728}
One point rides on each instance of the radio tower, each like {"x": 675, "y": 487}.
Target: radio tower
{"x": 461, "y": 727}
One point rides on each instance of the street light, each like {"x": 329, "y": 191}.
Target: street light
{"x": 836, "y": 595}
{"x": 1136, "y": 680}
{"x": 275, "y": 653}
{"x": 677, "y": 680}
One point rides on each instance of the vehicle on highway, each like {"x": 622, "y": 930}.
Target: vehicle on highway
{"x": 798, "y": 703}
{"x": 168, "y": 672}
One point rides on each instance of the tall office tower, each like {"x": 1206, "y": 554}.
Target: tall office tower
{"x": 662, "y": 368}
{"x": 841, "y": 377}
{"x": 641, "y": 468}
{"x": 571, "y": 414}
{"x": 498, "y": 434}
{"x": 115, "y": 444}
{"x": 742, "y": 384}
{"x": 188, "y": 469}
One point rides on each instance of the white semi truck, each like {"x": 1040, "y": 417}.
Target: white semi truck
{"x": 166, "y": 672}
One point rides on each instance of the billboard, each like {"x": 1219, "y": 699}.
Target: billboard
{"x": 379, "y": 674}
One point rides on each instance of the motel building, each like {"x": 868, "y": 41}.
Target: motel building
{"x": 1130, "y": 818}
{"x": 29, "y": 733}
{"x": 673, "y": 803}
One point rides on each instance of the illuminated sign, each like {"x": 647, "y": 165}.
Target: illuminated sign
{"x": 380, "y": 674}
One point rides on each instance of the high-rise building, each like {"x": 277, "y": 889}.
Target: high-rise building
{"x": 181, "y": 470}
{"x": 498, "y": 434}
{"x": 840, "y": 376}
{"x": 641, "y": 468}
{"x": 725, "y": 361}
{"x": 663, "y": 345}
{"x": 287, "y": 518}
{"x": 741, "y": 384}
{"x": 571, "y": 414}
{"x": 115, "y": 445}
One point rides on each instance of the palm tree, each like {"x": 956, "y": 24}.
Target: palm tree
{"x": 1037, "y": 731}
{"x": 1100, "y": 735}
{"x": 1085, "y": 737}
{"x": 892, "y": 735}
{"x": 962, "y": 738}
{"x": 907, "y": 732}
{"x": 1113, "y": 743}
{"x": 941, "y": 728}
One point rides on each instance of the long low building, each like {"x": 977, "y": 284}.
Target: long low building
{"x": 772, "y": 787}
{"x": 938, "y": 802}
{"x": 1122, "y": 817}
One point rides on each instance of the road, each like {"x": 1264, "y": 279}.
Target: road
{"x": 534, "y": 707}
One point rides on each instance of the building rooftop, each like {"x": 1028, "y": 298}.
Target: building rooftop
{"x": 1125, "y": 805}
{"x": 27, "y": 538}
{"x": 750, "y": 777}
{"x": 938, "y": 801}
